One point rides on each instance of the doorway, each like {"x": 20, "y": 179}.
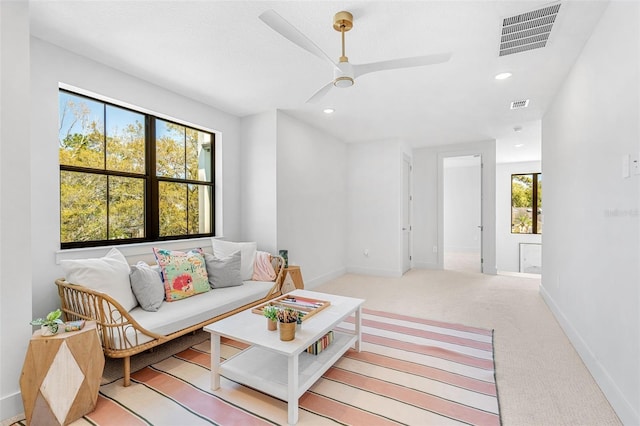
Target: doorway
{"x": 462, "y": 213}
{"x": 406, "y": 214}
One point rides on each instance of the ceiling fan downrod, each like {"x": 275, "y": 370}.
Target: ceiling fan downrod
{"x": 343, "y": 22}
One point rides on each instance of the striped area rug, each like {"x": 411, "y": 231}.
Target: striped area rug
{"x": 410, "y": 371}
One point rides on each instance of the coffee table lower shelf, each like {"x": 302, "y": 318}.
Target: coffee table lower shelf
{"x": 268, "y": 371}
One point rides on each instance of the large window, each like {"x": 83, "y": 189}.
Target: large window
{"x": 128, "y": 177}
{"x": 526, "y": 203}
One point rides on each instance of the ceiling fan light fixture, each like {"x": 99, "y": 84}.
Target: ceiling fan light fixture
{"x": 343, "y": 82}
{"x": 344, "y": 74}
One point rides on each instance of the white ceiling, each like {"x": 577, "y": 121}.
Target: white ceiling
{"x": 221, "y": 54}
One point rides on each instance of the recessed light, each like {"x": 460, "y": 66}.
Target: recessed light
{"x": 519, "y": 145}
{"x": 503, "y": 76}
{"x": 328, "y": 110}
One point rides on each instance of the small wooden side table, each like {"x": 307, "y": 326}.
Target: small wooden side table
{"x": 61, "y": 375}
{"x": 296, "y": 275}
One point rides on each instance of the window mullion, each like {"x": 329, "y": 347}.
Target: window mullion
{"x": 186, "y": 176}
{"x": 535, "y": 203}
{"x": 153, "y": 221}
{"x": 104, "y": 159}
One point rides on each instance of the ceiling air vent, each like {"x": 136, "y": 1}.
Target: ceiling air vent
{"x": 520, "y": 104}
{"x": 527, "y": 31}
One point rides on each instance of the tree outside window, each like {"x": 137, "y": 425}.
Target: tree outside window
{"x": 526, "y": 203}
{"x": 126, "y": 176}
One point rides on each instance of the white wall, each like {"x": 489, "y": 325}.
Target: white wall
{"x": 508, "y": 244}
{"x": 51, "y": 65}
{"x": 462, "y": 194}
{"x": 312, "y": 199}
{"x": 425, "y": 211}
{"x": 259, "y": 211}
{"x": 591, "y": 255}
{"x": 15, "y": 204}
{"x": 30, "y": 268}
{"x": 428, "y": 196}
{"x": 375, "y": 208}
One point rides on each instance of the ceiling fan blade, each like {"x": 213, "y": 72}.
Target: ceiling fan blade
{"x": 320, "y": 93}
{"x": 417, "y": 61}
{"x": 291, "y": 33}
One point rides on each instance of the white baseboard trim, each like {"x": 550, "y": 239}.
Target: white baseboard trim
{"x": 623, "y": 408}
{"x": 11, "y": 408}
{"x": 373, "y": 271}
{"x": 519, "y": 274}
{"x": 424, "y": 265}
{"x": 315, "y": 282}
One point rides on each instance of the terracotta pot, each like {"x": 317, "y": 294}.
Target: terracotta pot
{"x": 287, "y": 330}
{"x": 272, "y": 325}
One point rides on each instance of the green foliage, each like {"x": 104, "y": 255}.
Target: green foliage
{"x": 522, "y": 224}
{"x": 52, "y": 320}
{"x": 521, "y": 191}
{"x": 98, "y": 206}
{"x": 270, "y": 312}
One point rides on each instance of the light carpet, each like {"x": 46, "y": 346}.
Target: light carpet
{"x": 409, "y": 371}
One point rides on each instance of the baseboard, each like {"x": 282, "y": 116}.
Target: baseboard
{"x": 424, "y": 265}
{"x": 373, "y": 271}
{"x": 519, "y": 274}
{"x": 310, "y": 284}
{"x": 623, "y": 408}
{"x": 11, "y": 408}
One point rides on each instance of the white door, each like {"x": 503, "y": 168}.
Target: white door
{"x": 406, "y": 215}
{"x": 462, "y": 208}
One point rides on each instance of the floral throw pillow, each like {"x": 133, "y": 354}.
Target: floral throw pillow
{"x": 184, "y": 273}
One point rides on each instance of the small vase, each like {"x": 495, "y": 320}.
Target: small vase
{"x": 45, "y": 330}
{"x": 272, "y": 325}
{"x": 287, "y": 330}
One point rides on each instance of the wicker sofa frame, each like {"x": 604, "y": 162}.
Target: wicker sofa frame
{"x": 114, "y": 323}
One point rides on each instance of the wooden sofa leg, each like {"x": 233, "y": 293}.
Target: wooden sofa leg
{"x": 127, "y": 371}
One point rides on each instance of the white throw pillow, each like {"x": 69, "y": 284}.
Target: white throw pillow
{"x": 222, "y": 249}
{"x": 109, "y": 274}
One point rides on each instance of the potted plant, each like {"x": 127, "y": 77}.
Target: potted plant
{"x": 50, "y": 324}
{"x": 271, "y": 312}
{"x": 287, "y": 320}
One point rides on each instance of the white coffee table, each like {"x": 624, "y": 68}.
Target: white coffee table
{"x": 283, "y": 369}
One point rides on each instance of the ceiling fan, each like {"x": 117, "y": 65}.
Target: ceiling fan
{"x": 344, "y": 73}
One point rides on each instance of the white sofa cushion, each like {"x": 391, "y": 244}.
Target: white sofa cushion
{"x": 172, "y": 317}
